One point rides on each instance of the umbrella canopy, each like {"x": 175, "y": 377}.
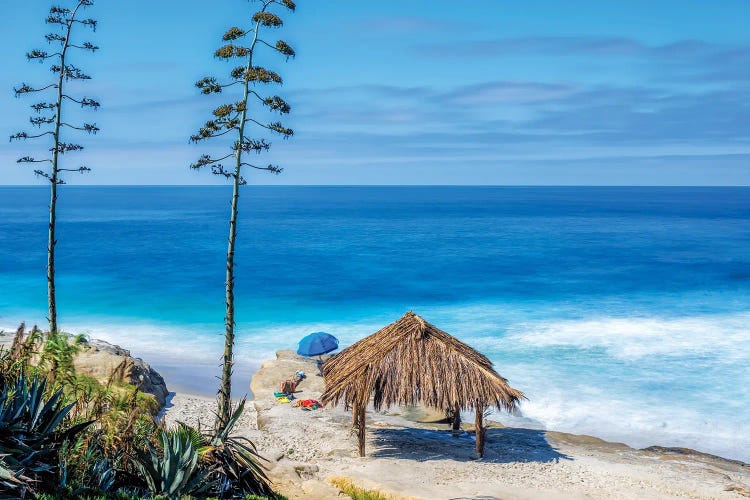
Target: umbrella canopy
{"x": 317, "y": 343}
{"x": 414, "y": 362}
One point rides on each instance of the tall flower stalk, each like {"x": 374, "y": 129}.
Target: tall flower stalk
{"x": 234, "y": 120}
{"x": 65, "y": 20}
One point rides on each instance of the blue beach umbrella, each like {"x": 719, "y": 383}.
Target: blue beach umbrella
{"x": 317, "y": 344}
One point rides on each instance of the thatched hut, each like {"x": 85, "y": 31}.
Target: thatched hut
{"x": 412, "y": 362}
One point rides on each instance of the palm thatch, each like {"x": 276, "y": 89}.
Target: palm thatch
{"x": 413, "y": 362}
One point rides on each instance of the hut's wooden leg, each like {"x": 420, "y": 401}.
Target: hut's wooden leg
{"x": 479, "y": 425}
{"x": 361, "y": 424}
{"x": 456, "y": 418}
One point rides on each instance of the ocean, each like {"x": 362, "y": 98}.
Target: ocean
{"x": 621, "y": 312}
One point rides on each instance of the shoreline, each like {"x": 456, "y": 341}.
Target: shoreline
{"x": 421, "y": 459}
{"x": 412, "y": 454}
{"x": 568, "y": 365}
{"x": 199, "y": 381}
{"x": 196, "y": 375}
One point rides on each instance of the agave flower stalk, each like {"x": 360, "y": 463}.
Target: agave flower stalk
{"x": 234, "y": 120}
{"x": 66, "y": 20}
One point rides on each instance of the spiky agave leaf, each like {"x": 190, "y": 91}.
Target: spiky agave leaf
{"x": 175, "y": 471}
{"x": 30, "y": 434}
{"x": 233, "y": 460}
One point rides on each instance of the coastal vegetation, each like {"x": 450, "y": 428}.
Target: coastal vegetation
{"x": 64, "y": 434}
{"x": 234, "y": 119}
{"x": 51, "y": 120}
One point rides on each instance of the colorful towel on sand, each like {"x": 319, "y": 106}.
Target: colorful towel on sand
{"x": 308, "y": 404}
{"x": 283, "y": 397}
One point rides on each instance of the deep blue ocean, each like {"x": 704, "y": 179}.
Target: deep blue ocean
{"x": 620, "y": 312}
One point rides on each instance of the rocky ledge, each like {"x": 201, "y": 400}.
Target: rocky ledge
{"x": 108, "y": 362}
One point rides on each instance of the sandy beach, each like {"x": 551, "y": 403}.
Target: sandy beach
{"x": 412, "y": 456}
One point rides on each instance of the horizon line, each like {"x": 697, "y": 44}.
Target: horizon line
{"x": 394, "y": 185}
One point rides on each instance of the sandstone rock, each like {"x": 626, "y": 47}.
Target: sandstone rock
{"x": 105, "y": 362}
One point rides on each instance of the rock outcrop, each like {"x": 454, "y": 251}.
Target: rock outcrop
{"x": 107, "y": 362}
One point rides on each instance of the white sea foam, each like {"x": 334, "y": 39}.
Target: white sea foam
{"x": 670, "y": 381}
{"x": 203, "y": 344}
{"x": 726, "y": 337}
{"x": 638, "y": 421}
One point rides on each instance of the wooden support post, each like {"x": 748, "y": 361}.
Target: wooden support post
{"x": 361, "y": 424}
{"x": 479, "y": 425}
{"x": 457, "y": 418}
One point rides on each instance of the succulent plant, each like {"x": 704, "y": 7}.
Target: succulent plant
{"x": 233, "y": 462}
{"x": 174, "y": 472}
{"x": 30, "y": 434}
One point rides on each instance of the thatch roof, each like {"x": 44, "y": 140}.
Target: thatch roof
{"x": 413, "y": 362}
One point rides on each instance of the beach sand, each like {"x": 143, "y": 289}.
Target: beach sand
{"x": 408, "y": 459}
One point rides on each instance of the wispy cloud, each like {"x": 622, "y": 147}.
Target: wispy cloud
{"x": 696, "y": 61}
{"x": 569, "y": 45}
{"x": 508, "y": 92}
{"x": 544, "y": 125}
{"x": 627, "y": 115}
{"x": 502, "y": 112}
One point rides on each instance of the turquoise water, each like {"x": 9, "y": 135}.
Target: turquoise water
{"x": 620, "y": 312}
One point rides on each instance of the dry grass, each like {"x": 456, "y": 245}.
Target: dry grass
{"x": 347, "y": 487}
{"x": 739, "y": 490}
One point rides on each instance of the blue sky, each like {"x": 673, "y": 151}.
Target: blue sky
{"x": 420, "y": 92}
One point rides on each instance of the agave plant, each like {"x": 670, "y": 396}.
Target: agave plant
{"x": 175, "y": 471}
{"x": 30, "y": 435}
{"x": 233, "y": 463}
{"x": 217, "y": 464}
{"x": 86, "y": 471}
{"x": 9, "y": 480}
